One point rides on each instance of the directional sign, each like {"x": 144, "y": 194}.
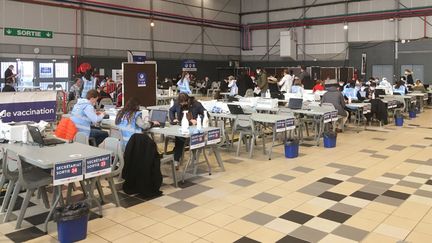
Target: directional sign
{"x": 327, "y": 117}
{"x": 214, "y": 136}
{"x": 334, "y": 115}
{"x": 290, "y": 124}
{"x": 197, "y": 141}
{"x": 280, "y": 126}
{"x": 28, "y": 33}
{"x": 68, "y": 172}
{"x": 98, "y": 166}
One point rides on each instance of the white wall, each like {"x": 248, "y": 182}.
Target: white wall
{"x": 326, "y": 42}
{"x": 107, "y": 33}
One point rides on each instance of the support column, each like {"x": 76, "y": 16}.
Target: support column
{"x": 152, "y": 33}
{"x": 82, "y": 16}
{"x": 202, "y": 30}
{"x": 304, "y": 32}
{"x": 346, "y": 35}
{"x": 396, "y": 68}
{"x": 268, "y": 31}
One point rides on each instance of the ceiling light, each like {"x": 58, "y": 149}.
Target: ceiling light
{"x": 152, "y": 24}
{"x": 345, "y": 26}
{"x": 403, "y": 41}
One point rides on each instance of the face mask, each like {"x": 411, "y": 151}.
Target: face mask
{"x": 341, "y": 84}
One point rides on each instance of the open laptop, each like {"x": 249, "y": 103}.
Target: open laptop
{"x": 295, "y": 103}
{"x": 236, "y": 109}
{"x": 38, "y": 138}
{"x": 160, "y": 116}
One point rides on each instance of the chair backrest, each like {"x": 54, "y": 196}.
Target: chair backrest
{"x": 215, "y": 85}
{"x": 58, "y": 87}
{"x": 50, "y": 87}
{"x": 81, "y": 137}
{"x": 113, "y": 144}
{"x": 10, "y": 164}
{"x": 244, "y": 122}
{"x": 249, "y": 93}
{"x": 328, "y": 105}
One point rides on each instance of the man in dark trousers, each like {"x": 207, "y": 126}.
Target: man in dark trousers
{"x": 9, "y": 75}
{"x": 305, "y": 77}
{"x": 244, "y": 82}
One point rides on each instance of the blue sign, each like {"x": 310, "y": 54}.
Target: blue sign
{"x": 142, "y": 79}
{"x": 139, "y": 58}
{"x": 29, "y": 111}
{"x": 197, "y": 141}
{"x": 280, "y": 125}
{"x": 45, "y": 70}
{"x": 67, "y": 172}
{"x": 98, "y": 166}
{"x": 327, "y": 117}
{"x": 290, "y": 124}
{"x": 334, "y": 115}
{"x": 189, "y": 66}
{"x": 214, "y": 136}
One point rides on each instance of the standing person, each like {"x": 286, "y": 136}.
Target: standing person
{"x": 183, "y": 83}
{"x": 306, "y": 78}
{"x": 244, "y": 82}
{"x": 75, "y": 90}
{"x": 335, "y": 97}
{"x": 194, "y": 108}
{"x": 84, "y": 115}
{"x": 9, "y": 75}
{"x": 287, "y": 81}
{"x": 409, "y": 77}
{"x": 261, "y": 80}
{"x": 88, "y": 83}
{"x": 129, "y": 120}
{"x": 232, "y": 84}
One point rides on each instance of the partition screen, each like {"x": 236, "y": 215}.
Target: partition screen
{"x": 328, "y": 73}
{"x": 139, "y": 80}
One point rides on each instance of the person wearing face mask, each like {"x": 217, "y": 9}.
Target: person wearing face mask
{"x": 400, "y": 88}
{"x": 194, "y": 108}
{"x": 350, "y": 91}
{"x": 262, "y": 81}
{"x": 84, "y": 115}
{"x": 183, "y": 83}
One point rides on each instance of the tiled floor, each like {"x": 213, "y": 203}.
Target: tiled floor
{"x": 375, "y": 186}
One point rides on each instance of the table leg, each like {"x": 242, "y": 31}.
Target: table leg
{"x": 218, "y": 156}
{"x": 92, "y": 187}
{"x": 190, "y": 161}
{"x": 273, "y": 140}
{"x": 57, "y": 192}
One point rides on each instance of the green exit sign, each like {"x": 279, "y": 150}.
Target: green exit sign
{"x": 28, "y": 33}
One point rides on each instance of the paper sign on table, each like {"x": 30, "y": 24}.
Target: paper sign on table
{"x": 97, "y": 166}
{"x": 68, "y": 172}
{"x": 214, "y": 136}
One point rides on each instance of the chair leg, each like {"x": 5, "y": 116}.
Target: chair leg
{"x": 44, "y": 196}
{"x": 2, "y": 181}
{"x": 24, "y": 207}
{"x": 12, "y": 202}
{"x": 252, "y": 144}
{"x": 7, "y": 196}
{"x": 69, "y": 192}
{"x": 174, "y": 175}
{"x": 100, "y": 191}
{"x": 239, "y": 144}
{"x": 114, "y": 191}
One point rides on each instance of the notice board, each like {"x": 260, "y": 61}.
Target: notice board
{"x": 139, "y": 80}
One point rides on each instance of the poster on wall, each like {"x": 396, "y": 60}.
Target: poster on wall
{"x": 46, "y": 70}
{"x": 189, "y": 66}
{"x": 363, "y": 64}
{"x": 142, "y": 79}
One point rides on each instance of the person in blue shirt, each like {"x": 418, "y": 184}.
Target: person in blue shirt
{"x": 297, "y": 87}
{"x": 400, "y": 88}
{"x": 84, "y": 115}
{"x": 183, "y": 84}
{"x": 129, "y": 120}
{"x": 350, "y": 91}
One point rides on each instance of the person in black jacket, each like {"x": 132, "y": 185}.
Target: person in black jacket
{"x": 194, "y": 108}
{"x": 141, "y": 171}
{"x": 244, "y": 82}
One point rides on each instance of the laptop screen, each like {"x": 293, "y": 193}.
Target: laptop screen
{"x": 295, "y": 103}
{"x": 160, "y": 116}
{"x": 35, "y": 134}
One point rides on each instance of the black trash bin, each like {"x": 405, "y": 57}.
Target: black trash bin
{"x": 72, "y": 222}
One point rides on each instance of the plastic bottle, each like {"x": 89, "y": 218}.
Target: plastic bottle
{"x": 185, "y": 123}
{"x": 205, "y": 120}
{"x": 24, "y": 135}
{"x": 169, "y": 91}
{"x": 199, "y": 123}
{"x": 171, "y": 103}
{"x": 267, "y": 95}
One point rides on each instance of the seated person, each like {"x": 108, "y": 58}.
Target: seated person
{"x": 318, "y": 86}
{"x": 400, "y": 88}
{"x": 129, "y": 120}
{"x": 335, "y": 97}
{"x": 84, "y": 114}
{"x": 297, "y": 87}
{"x": 194, "y": 108}
{"x": 103, "y": 93}
{"x": 350, "y": 91}
{"x": 419, "y": 87}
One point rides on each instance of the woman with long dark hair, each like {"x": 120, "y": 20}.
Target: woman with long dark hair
{"x": 129, "y": 120}
{"x": 183, "y": 83}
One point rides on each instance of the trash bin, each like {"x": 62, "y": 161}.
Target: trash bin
{"x": 412, "y": 114}
{"x": 399, "y": 121}
{"x": 72, "y": 222}
{"x": 329, "y": 139}
{"x": 291, "y": 149}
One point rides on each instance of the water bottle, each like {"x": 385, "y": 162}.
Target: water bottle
{"x": 199, "y": 122}
{"x": 205, "y": 120}
{"x": 185, "y": 123}
{"x": 171, "y": 103}
{"x": 267, "y": 95}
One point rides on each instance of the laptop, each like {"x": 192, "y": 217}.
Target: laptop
{"x": 38, "y": 138}
{"x": 236, "y": 109}
{"x": 295, "y": 103}
{"x": 160, "y": 116}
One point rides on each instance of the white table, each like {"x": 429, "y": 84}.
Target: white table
{"x": 46, "y": 157}
{"x": 195, "y": 153}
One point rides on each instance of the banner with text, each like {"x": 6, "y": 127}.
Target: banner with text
{"x": 290, "y": 124}
{"x": 97, "y": 166}
{"x": 28, "y": 106}
{"x": 214, "y": 136}
{"x": 68, "y": 172}
{"x": 189, "y": 66}
{"x": 197, "y": 141}
{"x": 280, "y": 126}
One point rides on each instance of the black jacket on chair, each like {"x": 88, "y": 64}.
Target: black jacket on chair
{"x": 141, "y": 171}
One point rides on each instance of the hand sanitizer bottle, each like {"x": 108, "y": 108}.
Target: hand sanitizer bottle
{"x": 171, "y": 103}
{"x": 199, "y": 122}
{"x": 185, "y": 123}
{"x": 205, "y": 120}
{"x": 267, "y": 95}
{"x": 24, "y": 135}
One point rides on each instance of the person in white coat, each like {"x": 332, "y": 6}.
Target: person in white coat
{"x": 286, "y": 82}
